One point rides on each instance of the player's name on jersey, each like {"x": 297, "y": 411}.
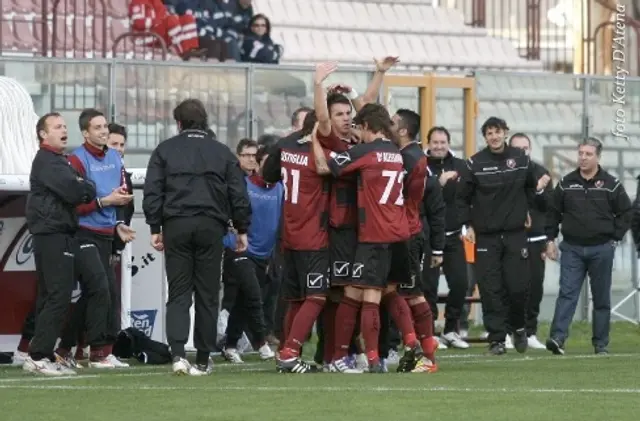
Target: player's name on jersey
{"x": 295, "y": 158}
{"x": 389, "y": 157}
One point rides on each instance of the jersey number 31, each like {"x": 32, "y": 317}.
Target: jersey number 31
{"x": 291, "y": 183}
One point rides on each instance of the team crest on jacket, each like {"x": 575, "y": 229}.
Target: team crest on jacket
{"x": 511, "y": 163}
{"x": 599, "y": 183}
{"x": 524, "y": 252}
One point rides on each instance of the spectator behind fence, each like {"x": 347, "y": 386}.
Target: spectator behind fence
{"x": 258, "y": 47}
{"x": 595, "y": 212}
{"x": 178, "y": 32}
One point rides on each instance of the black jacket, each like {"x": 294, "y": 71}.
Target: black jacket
{"x": 439, "y": 165}
{"x": 538, "y": 208}
{"x": 492, "y": 192}
{"x": 193, "y": 174}
{"x": 635, "y": 219}
{"x": 592, "y": 212}
{"x": 125, "y": 214}
{"x": 433, "y": 216}
{"x": 56, "y": 190}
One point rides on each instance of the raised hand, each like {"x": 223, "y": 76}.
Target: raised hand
{"x": 386, "y": 63}
{"x": 323, "y": 70}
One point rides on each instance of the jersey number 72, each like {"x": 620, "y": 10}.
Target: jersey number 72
{"x": 392, "y": 177}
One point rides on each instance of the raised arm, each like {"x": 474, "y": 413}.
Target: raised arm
{"x": 323, "y": 70}
{"x": 320, "y": 160}
{"x": 373, "y": 89}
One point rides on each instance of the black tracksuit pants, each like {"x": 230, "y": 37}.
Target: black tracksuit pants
{"x": 248, "y": 274}
{"x": 193, "y": 259}
{"x": 536, "y": 268}
{"x": 502, "y": 271}
{"x": 454, "y": 266}
{"x": 87, "y": 268}
{"x": 54, "y": 258}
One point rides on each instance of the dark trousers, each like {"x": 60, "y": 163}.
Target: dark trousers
{"x": 536, "y": 269}
{"x": 454, "y": 267}
{"x": 575, "y": 263}
{"x": 389, "y": 337}
{"x": 270, "y": 296}
{"x": 502, "y": 271}
{"x": 54, "y": 258}
{"x": 249, "y": 276}
{"x": 193, "y": 259}
{"x": 94, "y": 312}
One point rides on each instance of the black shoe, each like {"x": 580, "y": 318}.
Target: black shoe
{"x": 410, "y": 359}
{"x": 295, "y": 365}
{"x": 555, "y": 346}
{"x": 497, "y": 348}
{"x": 520, "y": 340}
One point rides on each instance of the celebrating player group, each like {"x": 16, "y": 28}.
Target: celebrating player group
{"x": 353, "y": 239}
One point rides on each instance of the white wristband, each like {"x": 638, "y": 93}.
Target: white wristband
{"x": 352, "y": 95}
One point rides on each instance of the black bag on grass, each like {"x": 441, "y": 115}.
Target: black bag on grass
{"x": 132, "y": 343}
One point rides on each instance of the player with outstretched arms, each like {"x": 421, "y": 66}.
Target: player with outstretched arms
{"x": 382, "y": 219}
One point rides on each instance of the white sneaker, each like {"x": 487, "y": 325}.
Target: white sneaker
{"x": 181, "y": 367}
{"x": 534, "y": 343}
{"x": 362, "y": 363}
{"x": 197, "y": 370}
{"x": 244, "y": 344}
{"x": 508, "y": 342}
{"x": 265, "y": 352}
{"x": 232, "y": 355}
{"x": 393, "y": 358}
{"x": 46, "y": 368}
{"x": 464, "y": 334}
{"x": 104, "y": 363}
{"x": 116, "y": 362}
{"x": 223, "y": 320}
{"x": 441, "y": 344}
{"x": 454, "y": 340}
{"x": 19, "y": 358}
{"x": 341, "y": 366}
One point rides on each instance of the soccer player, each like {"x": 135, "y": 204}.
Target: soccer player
{"x": 298, "y": 117}
{"x": 382, "y": 220}
{"x": 56, "y": 189}
{"x": 492, "y": 201}
{"x": 305, "y": 240}
{"x": 407, "y": 257}
{"x": 98, "y": 225}
{"x": 335, "y": 134}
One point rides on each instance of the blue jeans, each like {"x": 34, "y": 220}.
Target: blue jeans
{"x": 575, "y": 263}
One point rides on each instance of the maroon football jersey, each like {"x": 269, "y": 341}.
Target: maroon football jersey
{"x": 415, "y": 168}
{"x": 306, "y": 194}
{"x": 343, "y": 207}
{"x": 381, "y": 214}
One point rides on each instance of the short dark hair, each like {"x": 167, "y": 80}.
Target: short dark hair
{"x": 592, "y": 141}
{"x": 336, "y": 98}
{"x": 41, "y": 125}
{"x": 410, "y": 121}
{"x": 191, "y": 114}
{"x": 377, "y": 119}
{"x": 263, "y": 151}
{"x": 245, "y": 143}
{"x": 309, "y": 122}
{"x": 88, "y": 114}
{"x": 115, "y": 128}
{"x": 297, "y": 112}
{"x": 268, "y": 140}
{"x": 441, "y": 129}
{"x": 519, "y": 134}
{"x": 493, "y": 122}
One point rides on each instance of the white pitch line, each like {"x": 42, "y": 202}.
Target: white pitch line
{"x": 42, "y": 379}
{"x": 336, "y": 389}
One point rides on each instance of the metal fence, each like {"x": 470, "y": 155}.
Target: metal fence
{"x": 247, "y": 100}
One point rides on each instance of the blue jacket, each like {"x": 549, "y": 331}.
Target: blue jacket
{"x": 260, "y": 50}
{"x": 266, "y": 208}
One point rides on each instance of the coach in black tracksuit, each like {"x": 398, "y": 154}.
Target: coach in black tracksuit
{"x": 56, "y": 189}
{"x": 492, "y": 201}
{"x": 454, "y": 264}
{"x": 193, "y": 187}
